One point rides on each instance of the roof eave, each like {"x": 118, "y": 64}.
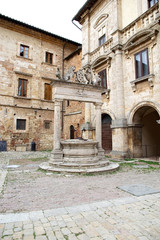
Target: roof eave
{"x": 88, "y": 4}
{"x": 37, "y": 29}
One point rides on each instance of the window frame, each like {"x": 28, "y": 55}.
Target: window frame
{"x": 102, "y": 39}
{"x": 154, "y": 2}
{"x": 47, "y": 124}
{"x": 101, "y": 74}
{"x": 48, "y": 57}
{"x": 142, "y": 74}
{"x": 47, "y": 96}
{"x": 22, "y": 90}
{"x": 18, "y": 127}
{"x": 24, "y": 51}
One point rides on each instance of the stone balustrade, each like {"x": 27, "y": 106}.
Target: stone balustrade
{"x": 101, "y": 50}
{"x": 140, "y": 23}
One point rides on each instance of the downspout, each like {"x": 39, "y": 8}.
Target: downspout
{"x": 63, "y": 59}
{"x": 76, "y": 25}
{"x": 64, "y": 45}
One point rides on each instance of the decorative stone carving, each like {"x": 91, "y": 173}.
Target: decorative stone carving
{"x": 87, "y": 76}
{"x": 96, "y": 79}
{"x": 58, "y": 74}
{"x": 70, "y": 74}
{"x": 81, "y": 77}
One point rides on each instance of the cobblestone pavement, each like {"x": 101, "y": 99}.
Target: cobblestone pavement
{"x": 120, "y": 219}
{"x": 35, "y": 205}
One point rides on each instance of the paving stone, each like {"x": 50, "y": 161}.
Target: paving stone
{"x": 28, "y": 226}
{"x": 28, "y": 238}
{"x": 39, "y": 231}
{"x": 72, "y": 237}
{"x": 138, "y": 189}
{"x": 59, "y": 235}
{"x": 76, "y": 230}
{"x": 8, "y": 232}
{"x": 17, "y": 235}
{"x": 51, "y": 235}
{"x": 41, "y": 238}
{"x": 83, "y": 237}
{"x": 27, "y": 232}
{"x": 65, "y": 231}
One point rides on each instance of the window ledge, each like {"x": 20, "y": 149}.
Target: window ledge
{"x": 107, "y": 93}
{"x": 20, "y": 97}
{"x": 25, "y": 74}
{"x": 30, "y": 59}
{"x": 149, "y": 77}
{"x": 45, "y": 100}
{"x": 49, "y": 64}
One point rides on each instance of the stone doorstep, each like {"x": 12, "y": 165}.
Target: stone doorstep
{"x": 110, "y": 167}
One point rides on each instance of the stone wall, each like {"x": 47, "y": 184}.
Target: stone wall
{"x": 129, "y": 27}
{"x": 37, "y": 111}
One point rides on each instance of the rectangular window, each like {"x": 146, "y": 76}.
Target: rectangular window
{"x": 102, "y": 35}
{"x": 47, "y": 124}
{"x": 102, "y": 40}
{"x": 141, "y": 63}
{"x": 24, "y": 51}
{"x": 67, "y": 103}
{"x": 103, "y": 77}
{"x": 151, "y": 3}
{"x": 49, "y": 58}
{"x": 21, "y": 124}
{"x": 47, "y": 91}
{"x": 22, "y": 87}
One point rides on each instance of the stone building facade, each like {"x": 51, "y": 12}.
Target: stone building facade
{"x": 121, "y": 42}
{"x": 29, "y": 58}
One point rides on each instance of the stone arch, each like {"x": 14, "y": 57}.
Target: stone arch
{"x": 144, "y": 130}
{"x": 109, "y": 112}
{"x": 139, "y": 105}
{"x": 140, "y": 37}
{"x": 99, "y": 60}
{"x": 101, "y": 19}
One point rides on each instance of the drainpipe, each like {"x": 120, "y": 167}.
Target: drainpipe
{"x": 64, "y": 45}
{"x": 76, "y": 25}
{"x": 63, "y": 59}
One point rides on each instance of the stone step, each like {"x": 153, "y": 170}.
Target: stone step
{"x": 109, "y": 167}
{"x": 76, "y": 165}
{"x": 83, "y": 160}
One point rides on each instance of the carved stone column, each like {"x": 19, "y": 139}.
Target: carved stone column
{"x": 56, "y": 154}
{"x": 99, "y": 128}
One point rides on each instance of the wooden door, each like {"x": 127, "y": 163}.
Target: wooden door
{"x": 106, "y": 133}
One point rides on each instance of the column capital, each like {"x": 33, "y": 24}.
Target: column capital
{"x": 57, "y": 101}
{"x": 98, "y": 105}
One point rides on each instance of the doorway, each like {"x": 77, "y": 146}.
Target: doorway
{"x": 71, "y": 132}
{"x": 146, "y": 137}
{"x": 106, "y": 133}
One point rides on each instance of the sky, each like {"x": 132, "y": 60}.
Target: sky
{"x": 54, "y": 16}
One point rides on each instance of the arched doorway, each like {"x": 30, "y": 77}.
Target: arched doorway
{"x": 106, "y": 133}
{"x": 71, "y": 132}
{"x": 146, "y": 133}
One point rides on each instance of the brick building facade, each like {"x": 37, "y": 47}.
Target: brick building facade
{"x": 29, "y": 58}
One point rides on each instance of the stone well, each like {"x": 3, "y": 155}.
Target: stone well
{"x": 79, "y": 156}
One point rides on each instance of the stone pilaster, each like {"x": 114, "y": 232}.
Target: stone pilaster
{"x": 57, "y": 154}
{"x": 99, "y": 128}
{"x": 98, "y": 124}
{"x": 119, "y": 125}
